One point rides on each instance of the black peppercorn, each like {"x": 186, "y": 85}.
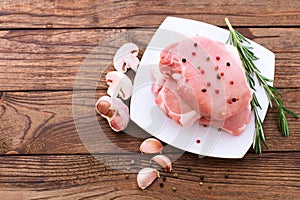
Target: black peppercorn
{"x": 201, "y": 177}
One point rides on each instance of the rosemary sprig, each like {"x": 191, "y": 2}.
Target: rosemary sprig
{"x": 247, "y": 57}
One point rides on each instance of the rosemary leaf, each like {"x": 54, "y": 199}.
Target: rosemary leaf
{"x": 247, "y": 57}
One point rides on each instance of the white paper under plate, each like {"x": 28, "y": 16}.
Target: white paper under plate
{"x": 146, "y": 114}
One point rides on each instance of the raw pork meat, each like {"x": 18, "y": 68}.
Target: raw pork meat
{"x": 203, "y": 80}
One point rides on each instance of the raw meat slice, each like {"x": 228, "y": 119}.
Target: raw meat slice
{"x": 202, "y": 64}
{"x": 209, "y": 78}
{"x": 173, "y": 106}
{"x": 234, "y": 124}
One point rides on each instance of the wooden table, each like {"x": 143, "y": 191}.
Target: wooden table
{"x": 43, "y": 45}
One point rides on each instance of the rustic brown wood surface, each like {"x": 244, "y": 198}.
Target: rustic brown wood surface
{"x": 44, "y": 46}
{"x": 50, "y": 59}
{"x": 133, "y": 13}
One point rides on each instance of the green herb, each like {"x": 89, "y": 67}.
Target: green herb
{"x": 247, "y": 57}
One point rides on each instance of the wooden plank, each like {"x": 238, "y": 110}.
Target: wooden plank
{"x": 133, "y": 13}
{"x": 51, "y": 59}
{"x": 43, "y": 123}
{"x": 270, "y": 176}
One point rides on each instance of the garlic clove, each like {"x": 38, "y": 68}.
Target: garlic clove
{"x": 151, "y": 145}
{"x": 163, "y": 161}
{"x": 118, "y": 85}
{"x": 126, "y": 57}
{"x": 114, "y": 111}
{"x": 146, "y": 176}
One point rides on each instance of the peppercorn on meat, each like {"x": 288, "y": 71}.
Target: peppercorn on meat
{"x": 203, "y": 81}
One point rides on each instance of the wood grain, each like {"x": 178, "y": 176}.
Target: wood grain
{"x": 43, "y": 123}
{"x": 51, "y": 59}
{"x": 48, "y": 131}
{"x": 85, "y": 177}
{"x": 134, "y": 13}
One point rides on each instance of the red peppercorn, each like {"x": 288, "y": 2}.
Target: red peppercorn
{"x": 231, "y": 82}
{"x": 217, "y": 91}
{"x": 202, "y": 71}
{"x": 193, "y": 53}
{"x": 222, "y": 74}
{"x": 216, "y": 67}
{"x": 218, "y": 58}
{"x": 208, "y": 84}
{"x": 198, "y": 141}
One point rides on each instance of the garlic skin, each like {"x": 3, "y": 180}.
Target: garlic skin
{"x": 163, "y": 161}
{"x": 118, "y": 85}
{"x": 151, "y": 145}
{"x": 146, "y": 176}
{"x": 126, "y": 58}
{"x": 114, "y": 111}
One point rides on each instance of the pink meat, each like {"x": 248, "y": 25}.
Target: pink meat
{"x": 233, "y": 125}
{"x": 207, "y": 77}
{"x": 173, "y": 106}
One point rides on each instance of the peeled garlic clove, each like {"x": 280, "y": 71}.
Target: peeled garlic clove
{"x": 163, "y": 161}
{"x": 151, "y": 145}
{"x": 146, "y": 176}
{"x": 126, "y": 57}
{"x": 115, "y": 111}
{"x": 118, "y": 85}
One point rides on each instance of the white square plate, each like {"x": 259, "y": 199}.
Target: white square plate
{"x": 205, "y": 141}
